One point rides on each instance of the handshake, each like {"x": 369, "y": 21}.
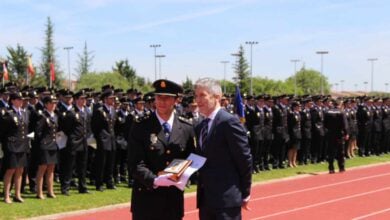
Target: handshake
{"x": 165, "y": 181}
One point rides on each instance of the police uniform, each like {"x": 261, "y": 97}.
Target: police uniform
{"x": 152, "y": 150}
{"x": 317, "y": 119}
{"x": 304, "y": 152}
{"x": 102, "y": 125}
{"x": 365, "y": 120}
{"x": 336, "y": 123}
{"x": 268, "y": 135}
{"x": 281, "y": 134}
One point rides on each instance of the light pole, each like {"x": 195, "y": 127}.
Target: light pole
{"x": 159, "y": 62}
{"x": 386, "y": 85}
{"x": 372, "y": 60}
{"x": 68, "y": 49}
{"x": 322, "y": 53}
{"x": 251, "y": 43}
{"x": 295, "y": 74}
{"x": 365, "y": 85}
{"x": 224, "y": 62}
{"x": 342, "y": 85}
{"x": 154, "y": 46}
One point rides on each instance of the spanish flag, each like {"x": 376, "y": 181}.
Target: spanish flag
{"x": 52, "y": 72}
{"x": 5, "y": 72}
{"x": 30, "y": 68}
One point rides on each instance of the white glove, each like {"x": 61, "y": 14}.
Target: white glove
{"x": 163, "y": 180}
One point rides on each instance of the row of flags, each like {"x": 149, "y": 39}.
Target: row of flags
{"x": 30, "y": 70}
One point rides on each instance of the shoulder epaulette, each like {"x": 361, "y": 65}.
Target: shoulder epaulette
{"x": 139, "y": 119}
{"x": 185, "y": 120}
{"x": 2, "y": 112}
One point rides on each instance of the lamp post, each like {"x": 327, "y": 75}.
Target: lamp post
{"x": 251, "y": 43}
{"x": 322, "y": 53}
{"x": 224, "y": 62}
{"x": 159, "y": 62}
{"x": 372, "y": 60}
{"x": 295, "y": 74}
{"x": 68, "y": 50}
{"x": 154, "y": 46}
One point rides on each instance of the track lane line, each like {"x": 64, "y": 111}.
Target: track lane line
{"x": 372, "y": 214}
{"x": 322, "y": 203}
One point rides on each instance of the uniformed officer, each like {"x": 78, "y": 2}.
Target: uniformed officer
{"x": 268, "y": 131}
{"x": 304, "y": 152}
{"x": 317, "y": 119}
{"x": 365, "y": 120}
{"x": 45, "y": 136}
{"x": 102, "y": 124}
{"x": 155, "y": 142}
{"x": 295, "y": 133}
{"x": 75, "y": 123}
{"x": 14, "y": 123}
{"x": 336, "y": 123}
{"x": 386, "y": 125}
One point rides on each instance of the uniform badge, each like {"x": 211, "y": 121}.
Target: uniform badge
{"x": 296, "y": 117}
{"x": 64, "y": 114}
{"x": 104, "y": 114}
{"x": 153, "y": 138}
{"x": 162, "y": 84}
{"x": 120, "y": 119}
{"x": 16, "y": 119}
{"x": 77, "y": 116}
{"x": 48, "y": 120}
{"x": 258, "y": 114}
{"x": 368, "y": 113}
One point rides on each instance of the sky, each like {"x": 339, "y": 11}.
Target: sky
{"x": 196, "y": 35}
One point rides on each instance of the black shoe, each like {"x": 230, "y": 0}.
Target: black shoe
{"x": 342, "y": 170}
{"x": 65, "y": 192}
{"x": 267, "y": 168}
{"x": 84, "y": 191}
{"x": 99, "y": 188}
{"x": 331, "y": 171}
{"x": 111, "y": 187}
{"x": 130, "y": 183}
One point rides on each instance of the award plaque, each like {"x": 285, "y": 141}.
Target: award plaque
{"x": 177, "y": 168}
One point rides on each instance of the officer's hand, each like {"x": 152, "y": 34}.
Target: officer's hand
{"x": 245, "y": 204}
{"x": 163, "y": 180}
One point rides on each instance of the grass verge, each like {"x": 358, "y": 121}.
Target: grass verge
{"x": 33, "y": 207}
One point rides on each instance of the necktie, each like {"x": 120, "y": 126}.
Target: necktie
{"x": 204, "y": 132}
{"x": 167, "y": 130}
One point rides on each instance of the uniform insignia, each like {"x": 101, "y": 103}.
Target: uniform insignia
{"x": 153, "y": 138}
{"x": 258, "y": 114}
{"x": 195, "y": 143}
{"x": 162, "y": 84}
{"x": 368, "y": 113}
{"x": 2, "y": 111}
{"x": 104, "y": 114}
{"x": 267, "y": 114}
{"x": 185, "y": 120}
{"x": 296, "y": 117}
{"x": 77, "y": 116}
{"x": 16, "y": 119}
{"x": 39, "y": 112}
{"x": 48, "y": 120}
{"x": 120, "y": 119}
{"x": 64, "y": 114}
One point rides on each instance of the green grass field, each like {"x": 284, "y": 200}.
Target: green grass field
{"x": 33, "y": 207}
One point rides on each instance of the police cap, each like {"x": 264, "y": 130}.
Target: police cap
{"x": 166, "y": 87}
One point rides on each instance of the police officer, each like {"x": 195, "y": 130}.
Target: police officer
{"x": 336, "y": 123}
{"x": 280, "y": 111}
{"x": 102, "y": 124}
{"x": 268, "y": 135}
{"x": 365, "y": 120}
{"x": 14, "y": 123}
{"x": 317, "y": 119}
{"x": 295, "y": 133}
{"x": 155, "y": 142}
{"x": 75, "y": 125}
{"x": 304, "y": 152}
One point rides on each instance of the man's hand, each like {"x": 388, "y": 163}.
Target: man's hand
{"x": 245, "y": 203}
{"x": 163, "y": 180}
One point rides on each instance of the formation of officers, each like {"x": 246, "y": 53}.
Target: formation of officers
{"x": 48, "y": 135}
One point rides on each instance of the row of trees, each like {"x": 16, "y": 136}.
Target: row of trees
{"x": 123, "y": 75}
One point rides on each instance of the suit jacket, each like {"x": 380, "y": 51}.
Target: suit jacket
{"x": 225, "y": 179}
{"x": 150, "y": 153}
{"x": 75, "y": 125}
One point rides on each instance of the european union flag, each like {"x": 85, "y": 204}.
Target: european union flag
{"x": 238, "y": 105}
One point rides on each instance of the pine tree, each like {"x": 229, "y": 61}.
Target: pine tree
{"x": 127, "y": 71}
{"x": 85, "y": 61}
{"x": 241, "y": 69}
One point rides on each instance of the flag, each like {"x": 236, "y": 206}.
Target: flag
{"x": 238, "y": 105}
{"x": 5, "y": 72}
{"x": 52, "y": 72}
{"x": 30, "y": 68}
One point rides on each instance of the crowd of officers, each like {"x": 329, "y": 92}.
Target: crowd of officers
{"x": 62, "y": 135}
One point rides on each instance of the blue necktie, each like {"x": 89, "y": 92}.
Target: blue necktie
{"x": 204, "y": 132}
{"x": 167, "y": 130}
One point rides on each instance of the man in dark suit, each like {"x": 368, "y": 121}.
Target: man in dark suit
{"x": 154, "y": 142}
{"x": 225, "y": 179}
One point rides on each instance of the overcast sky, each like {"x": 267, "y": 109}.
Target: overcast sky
{"x": 195, "y": 35}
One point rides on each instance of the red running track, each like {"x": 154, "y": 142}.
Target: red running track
{"x": 361, "y": 193}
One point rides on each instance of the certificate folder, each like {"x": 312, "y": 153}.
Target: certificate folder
{"x": 177, "y": 168}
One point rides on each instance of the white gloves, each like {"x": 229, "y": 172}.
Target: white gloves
{"x": 164, "y": 181}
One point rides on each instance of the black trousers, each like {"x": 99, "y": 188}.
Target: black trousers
{"x": 104, "y": 167}
{"x": 336, "y": 151}
{"x": 232, "y": 213}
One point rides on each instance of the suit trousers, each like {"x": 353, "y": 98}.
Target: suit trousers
{"x": 231, "y": 213}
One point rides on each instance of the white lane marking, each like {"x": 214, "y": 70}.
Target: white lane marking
{"x": 372, "y": 214}
{"x": 322, "y": 203}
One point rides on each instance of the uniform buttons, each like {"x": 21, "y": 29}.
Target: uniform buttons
{"x": 151, "y": 148}
{"x": 139, "y": 189}
{"x": 168, "y": 151}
